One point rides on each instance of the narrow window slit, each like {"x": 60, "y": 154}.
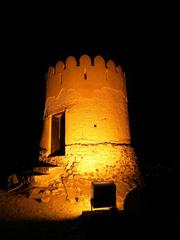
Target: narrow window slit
{"x": 61, "y": 78}
{"x": 107, "y": 75}
{"x": 85, "y": 74}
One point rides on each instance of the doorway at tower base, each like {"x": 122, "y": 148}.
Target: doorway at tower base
{"x": 74, "y": 173}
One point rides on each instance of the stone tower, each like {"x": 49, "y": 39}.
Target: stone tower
{"x": 86, "y": 132}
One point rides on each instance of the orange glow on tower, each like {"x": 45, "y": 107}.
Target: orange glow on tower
{"x": 86, "y": 130}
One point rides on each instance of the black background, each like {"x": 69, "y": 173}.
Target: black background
{"x": 143, "y": 42}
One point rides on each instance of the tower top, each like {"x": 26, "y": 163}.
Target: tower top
{"x": 86, "y": 73}
{"x": 85, "y": 61}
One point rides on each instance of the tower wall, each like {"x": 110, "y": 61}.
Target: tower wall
{"x": 97, "y": 136}
{"x": 96, "y": 107}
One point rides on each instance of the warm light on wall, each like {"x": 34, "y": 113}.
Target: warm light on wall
{"x": 92, "y": 97}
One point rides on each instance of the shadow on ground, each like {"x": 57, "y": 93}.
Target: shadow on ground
{"x": 92, "y": 225}
{"x": 149, "y": 213}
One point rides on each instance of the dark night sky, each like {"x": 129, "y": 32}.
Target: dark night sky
{"x": 145, "y": 51}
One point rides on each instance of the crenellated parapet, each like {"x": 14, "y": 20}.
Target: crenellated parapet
{"x": 85, "y": 76}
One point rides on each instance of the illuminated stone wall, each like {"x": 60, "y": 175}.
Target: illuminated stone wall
{"x": 97, "y": 136}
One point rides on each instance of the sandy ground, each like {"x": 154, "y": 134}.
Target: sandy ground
{"x": 25, "y": 218}
{"x": 15, "y": 206}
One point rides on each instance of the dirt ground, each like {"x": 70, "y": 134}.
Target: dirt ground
{"x": 15, "y": 206}
{"x": 22, "y": 217}
{"x": 26, "y": 218}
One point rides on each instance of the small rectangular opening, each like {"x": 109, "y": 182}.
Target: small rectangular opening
{"x": 103, "y": 194}
{"x": 85, "y": 75}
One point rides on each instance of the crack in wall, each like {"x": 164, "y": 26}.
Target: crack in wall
{"x": 70, "y": 171}
{"x": 100, "y": 143}
{"x": 64, "y": 186}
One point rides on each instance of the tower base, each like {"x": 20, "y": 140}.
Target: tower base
{"x": 74, "y": 173}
